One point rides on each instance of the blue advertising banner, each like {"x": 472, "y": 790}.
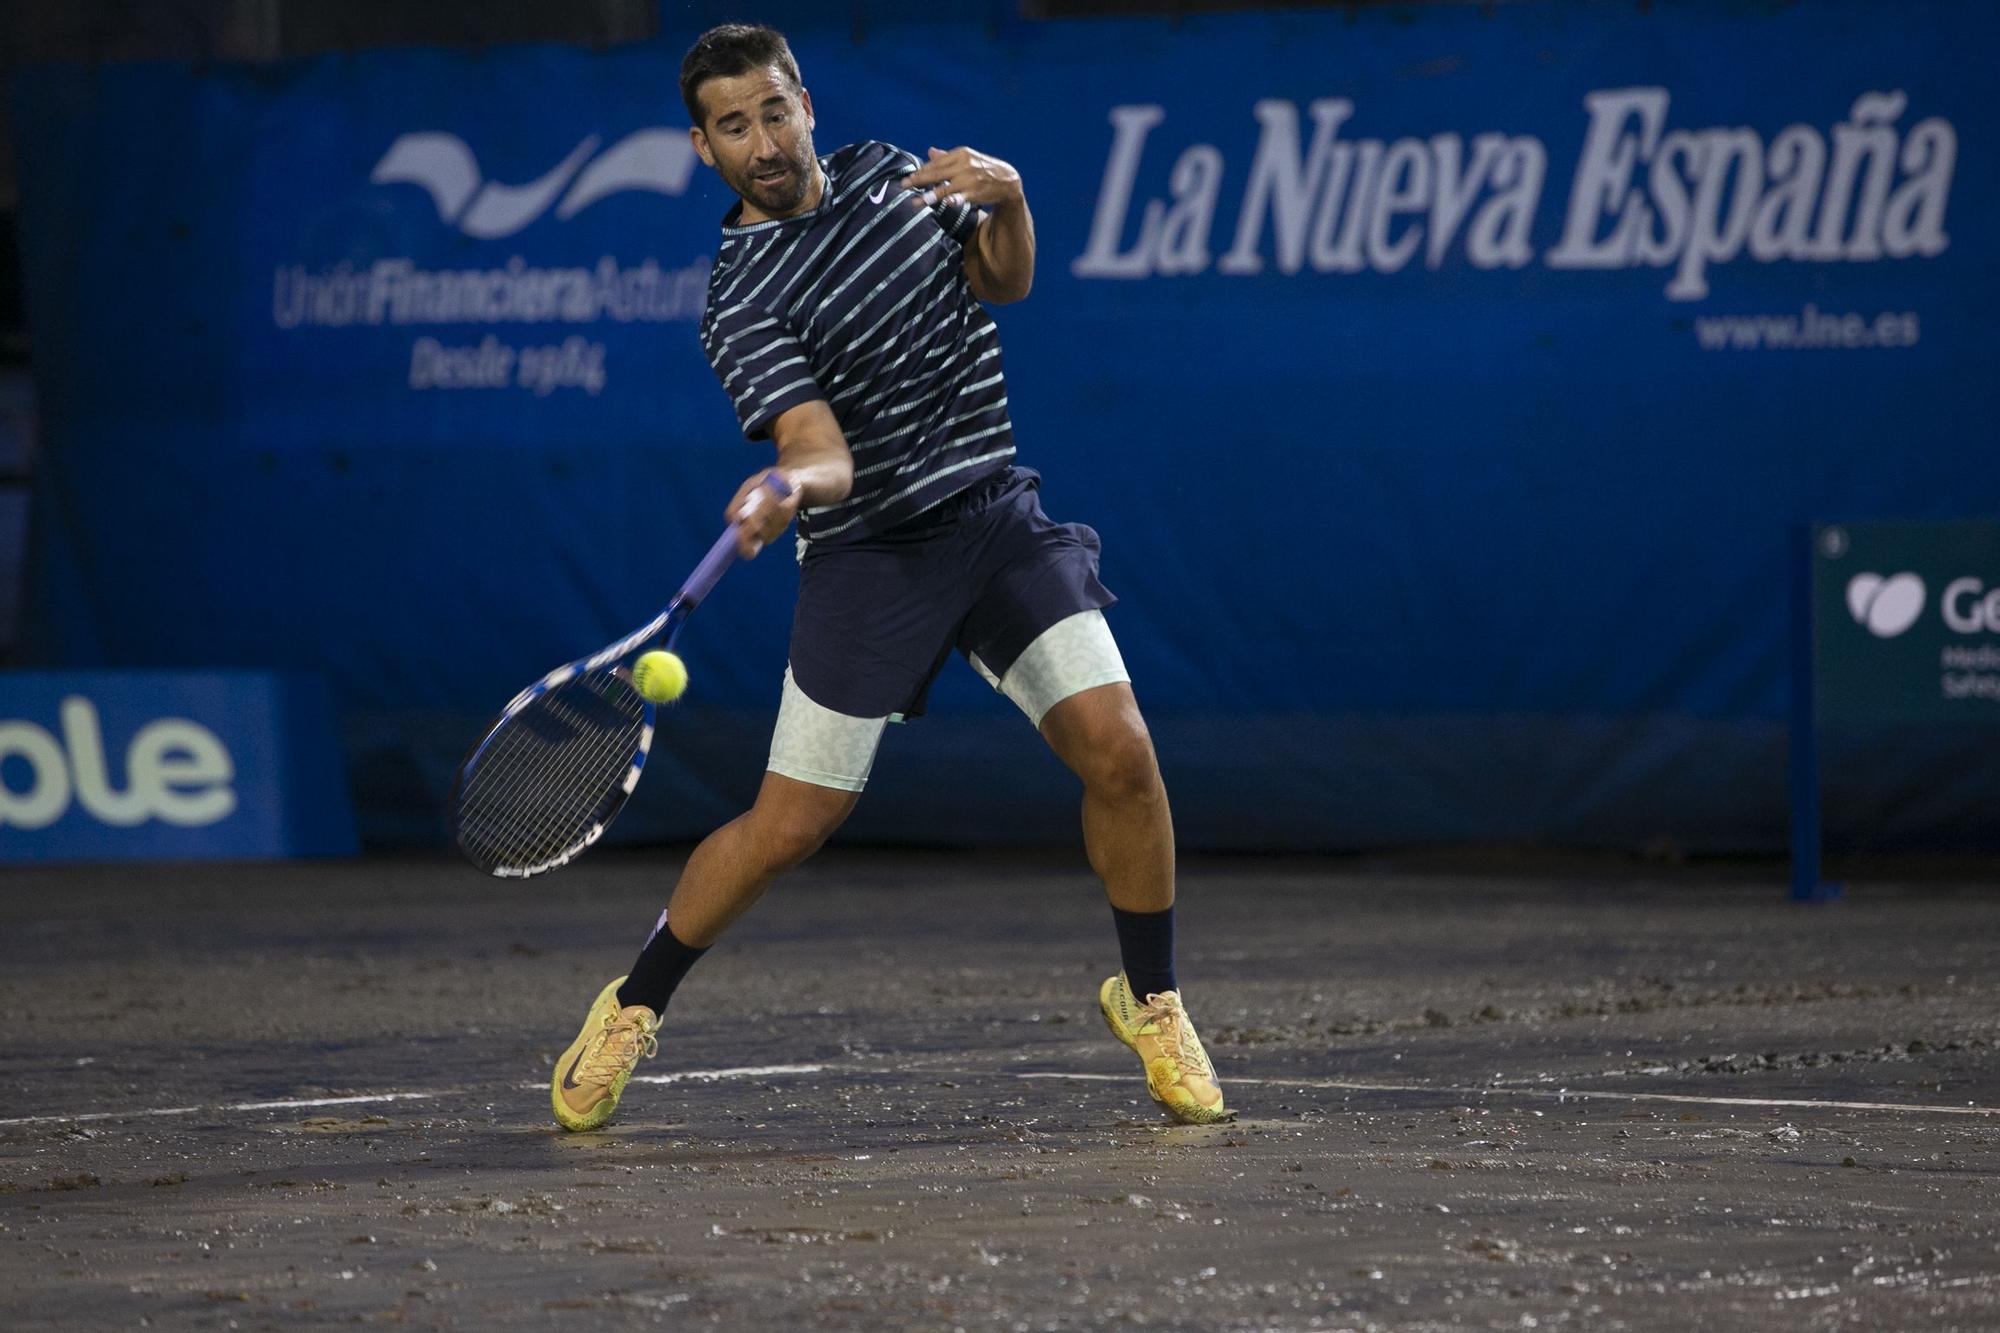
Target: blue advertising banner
{"x": 1444, "y": 383}
{"x": 140, "y": 765}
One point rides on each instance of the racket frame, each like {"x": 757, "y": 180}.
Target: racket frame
{"x": 667, "y": 623}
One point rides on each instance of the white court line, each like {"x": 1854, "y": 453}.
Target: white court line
{"x": 337, "y": 1101}
{"x": 1339, "y": 1085}
{"x": 234, "y": 1106}
{"x": 751, "y": 1071}
{"x": 1569, "y": 1094}
{"x": 103, "y": 1115}
{"x": 709, "y": 1075}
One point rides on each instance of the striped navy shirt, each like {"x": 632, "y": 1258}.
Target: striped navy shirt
{"x": 863, "y": 302}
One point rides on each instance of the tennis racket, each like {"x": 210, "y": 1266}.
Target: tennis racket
{"x": 560, "y": 761}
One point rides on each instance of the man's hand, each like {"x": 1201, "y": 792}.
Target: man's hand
{"x": 963, "y": 175}
{"x": 760, "y": 516}
{"x": 1000, "y": 257}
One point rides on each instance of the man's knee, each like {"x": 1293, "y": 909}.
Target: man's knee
{"x": 1124, "y": 767}
{"x": 794, "y": 819}
{"x": 1105, "y": 741}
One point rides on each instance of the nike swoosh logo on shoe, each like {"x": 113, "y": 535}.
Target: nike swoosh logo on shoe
{"x": 568, "y": 1079}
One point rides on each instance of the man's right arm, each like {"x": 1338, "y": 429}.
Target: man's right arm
{"x": 812, "y": 457}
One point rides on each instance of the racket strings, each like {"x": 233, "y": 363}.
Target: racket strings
{"x": 530, "y": 800}
{"x": 543, "y": 787}
{"x": 551, "y": 774}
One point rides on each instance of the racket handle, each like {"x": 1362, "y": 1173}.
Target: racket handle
{"x": 709, "y": 572}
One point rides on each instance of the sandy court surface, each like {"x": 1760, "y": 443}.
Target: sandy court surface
{"x": 1471, "y": 1096}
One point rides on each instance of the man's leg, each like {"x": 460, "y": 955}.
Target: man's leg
{"x": 1128, "y": 831}
{"x": 728, "y": 873}
{"x": 819, "y": 763}
{"x": 1071, "y": 682}
{"x": 1037, "y": 633}
{"x": 1128, "y": 834}
{"x": 725, "y": 877}
{"x": 733, "y": 866}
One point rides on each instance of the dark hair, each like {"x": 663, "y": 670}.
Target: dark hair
{"x": 728, "y": 50}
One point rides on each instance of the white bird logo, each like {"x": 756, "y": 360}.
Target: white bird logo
{"x": 659, "y": 159}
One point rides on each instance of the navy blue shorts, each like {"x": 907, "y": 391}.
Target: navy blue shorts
{"x": 984, "y": 572}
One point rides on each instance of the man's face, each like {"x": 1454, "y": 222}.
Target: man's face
{"x": 757, "y": 134}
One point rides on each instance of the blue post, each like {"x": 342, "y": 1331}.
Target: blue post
{"x": 1803, "y": 747}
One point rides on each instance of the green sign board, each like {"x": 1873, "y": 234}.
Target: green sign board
{"x": 1906, "y": 623}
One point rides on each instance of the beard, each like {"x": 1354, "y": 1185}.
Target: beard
{"x": 782, "y": 196}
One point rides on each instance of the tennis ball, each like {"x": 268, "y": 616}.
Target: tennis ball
{"x": 659, "y": 676}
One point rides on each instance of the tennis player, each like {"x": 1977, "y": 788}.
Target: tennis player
{"x": 845, "y": 321}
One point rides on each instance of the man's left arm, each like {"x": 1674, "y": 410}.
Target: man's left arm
{"x": 1000, "y": 257}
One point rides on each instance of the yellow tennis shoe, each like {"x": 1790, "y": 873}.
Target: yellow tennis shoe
{"x": 591, "y": 1074}
{"x": 1178, "y": 1073}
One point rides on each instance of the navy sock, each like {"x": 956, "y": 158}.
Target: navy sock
{"x": 662, "y": 964}
{"x": 1146, "y": 943}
